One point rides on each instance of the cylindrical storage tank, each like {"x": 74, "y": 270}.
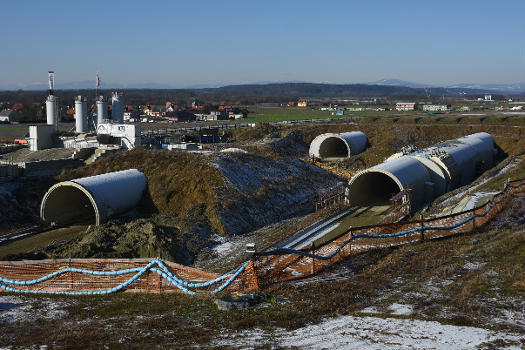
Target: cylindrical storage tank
{"x": 102, "y": 111}
{"x": 81, "y": 123}
{"x": 338, "y": 145}
{"x": 378, "y": 184}
{"x": 117, "y": 107}
{"x": 51, "y": 110}
{"x": 94, "y": 199}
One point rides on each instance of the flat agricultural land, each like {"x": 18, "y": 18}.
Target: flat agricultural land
{"x": 9, "y": 132}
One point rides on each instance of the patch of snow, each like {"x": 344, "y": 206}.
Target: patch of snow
{"x": 223, "y": 249}
{"x": 400, "y": 309}
{"x": 370, "y": 310}
{"x": 233, "y": 150}
{"x": 475, "y": 199}
{"x": 371, "y": 333}
{"x": 473, "y": 266}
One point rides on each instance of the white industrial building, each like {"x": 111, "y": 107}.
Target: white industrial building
{"x": 436, "y": 108}
{"x": 126, "y": 135}
{"x": 405, "y": 106}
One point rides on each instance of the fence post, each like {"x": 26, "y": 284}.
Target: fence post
{"x": 350, "y": 244}
{"x": 70, "y": 275}
{"x": 312, "y": 249}
{"x": 159, "y": 283}
{"x": 255, "y": 279}
{"x": 422, "y": 224}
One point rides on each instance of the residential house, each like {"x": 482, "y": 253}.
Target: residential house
{"x": 9, "y": 116}
{"x": 302, "y": 102}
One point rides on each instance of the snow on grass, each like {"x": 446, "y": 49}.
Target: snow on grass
{"x": 472, "y": 187}
{"x": 371, "y": 333}
{"x": 478, "y": 199}
{"x": 20, "y": 309}
{"x": 400, "y": 309}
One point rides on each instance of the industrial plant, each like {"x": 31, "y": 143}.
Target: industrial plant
{"x": 106, "y": 131}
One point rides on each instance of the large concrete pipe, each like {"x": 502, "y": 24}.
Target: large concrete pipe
{"x": 472, "y": 155}
{"x": 376, "y": 185}
{"x": 93, "y": 199}
{"x": 429, "y": 173}
{"x": 342, "y": 145}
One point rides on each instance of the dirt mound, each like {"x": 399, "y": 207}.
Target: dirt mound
{"x": 159, "y": 236}
{"x": 26, "y": 155}
{"x": 236, "y": 193}
{"x": 263, "y": 190}
{"x": 291, "y": 145}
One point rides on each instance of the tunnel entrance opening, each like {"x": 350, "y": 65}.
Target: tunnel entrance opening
{"x": 373, "y": 188}
{"x": 68, "y": 205}
{"x": 333, "y": 147}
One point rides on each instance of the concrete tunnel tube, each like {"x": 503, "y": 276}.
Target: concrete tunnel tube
{"x": 377, "y": 185}
{"x": 93, "y": 199}
{"x": 428, "y": 173}
{"x": 338, "y": 145}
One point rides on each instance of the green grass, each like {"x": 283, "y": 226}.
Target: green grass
{"x": 497, "y": 183}
{"x": 279, "y": 114}
{"x": 11, "y": 132}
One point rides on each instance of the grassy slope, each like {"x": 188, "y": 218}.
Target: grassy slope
{"x": 178, "y": 182}
{"x": 417, "y": 274}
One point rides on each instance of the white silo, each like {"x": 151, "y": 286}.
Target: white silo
{"x": 117, "y": 106}
{"x": 102, "y": 110}
{"x": 51, "y": 110}
{"x": 81, "y": 116}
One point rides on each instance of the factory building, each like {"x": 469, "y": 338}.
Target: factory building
{"x": 405, "y": 106}
{"x": 435, "y": 108}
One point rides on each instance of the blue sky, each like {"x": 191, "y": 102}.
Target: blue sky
{"x": 184, "y": 43}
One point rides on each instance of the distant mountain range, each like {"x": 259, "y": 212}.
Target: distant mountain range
{"x": 497, "y": 88}
{"x": 379, "y": 88}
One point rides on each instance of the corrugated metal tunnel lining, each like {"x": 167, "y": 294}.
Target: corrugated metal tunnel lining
{"x": 338, "y": 145}
{"x": 94, "y": 199}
